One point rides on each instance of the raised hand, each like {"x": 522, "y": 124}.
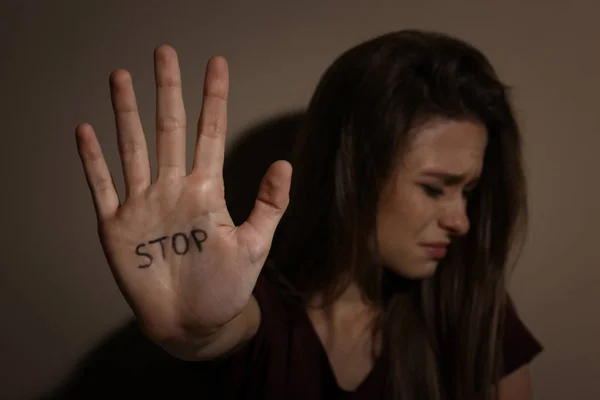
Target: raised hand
{"x": 182, "y": 265}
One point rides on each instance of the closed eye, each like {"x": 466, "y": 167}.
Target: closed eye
{"x": 432, "y": 191}
{"x": 436, "y": 192}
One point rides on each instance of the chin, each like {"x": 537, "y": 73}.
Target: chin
{"x": 416, "y": 271}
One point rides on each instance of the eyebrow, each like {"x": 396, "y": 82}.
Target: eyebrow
{"x": 451, "y": 179}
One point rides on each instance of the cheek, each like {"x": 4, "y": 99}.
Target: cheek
{"x": 402, "y": 228}
{"x": 416, "y": 212}
{"x": 422, "y": 212}
{"x": 403, "y": 222}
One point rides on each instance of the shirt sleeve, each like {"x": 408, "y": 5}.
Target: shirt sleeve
{"x": 520, "y": 346}
{"x": 261, "y": 359}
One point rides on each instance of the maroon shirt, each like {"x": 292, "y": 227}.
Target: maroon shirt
{"x": 286, "y": 360}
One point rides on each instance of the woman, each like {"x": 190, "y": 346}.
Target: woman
{"x": 389, "y": 277}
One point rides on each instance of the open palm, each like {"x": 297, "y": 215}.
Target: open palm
{"x": 180, "y": 262}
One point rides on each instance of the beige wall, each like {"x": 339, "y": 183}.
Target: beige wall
{"x": 57, "y": 297}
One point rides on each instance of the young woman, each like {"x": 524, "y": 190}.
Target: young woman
{"x": 388, "y": 278}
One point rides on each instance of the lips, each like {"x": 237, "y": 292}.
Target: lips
{"x": 436, "y": 250}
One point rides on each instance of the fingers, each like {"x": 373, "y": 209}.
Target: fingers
{"x": 212, "y": 125}
{"x": 170, "y": 114}
{"x": 96, "y": 171}
{"x": 271, "y": 203}
{"x": 130, "y": 136}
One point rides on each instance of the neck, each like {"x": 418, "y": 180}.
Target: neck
{"x": 350, "y": 305}
{"x": 346, "y": 322}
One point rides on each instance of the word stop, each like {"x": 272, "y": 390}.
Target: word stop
{"x": 179, "y": 243}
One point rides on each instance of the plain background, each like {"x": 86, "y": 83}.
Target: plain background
{"x": 57, "y": 296}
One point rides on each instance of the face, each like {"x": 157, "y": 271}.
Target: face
{"x": 424, "y": 205}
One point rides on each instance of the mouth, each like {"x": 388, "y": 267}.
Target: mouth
{"x": 436, "y": 251}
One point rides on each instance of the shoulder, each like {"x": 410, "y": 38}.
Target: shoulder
{"x": 262, "y": 365}
{"x": 275, "y": 312}
{"x": 519, "y": 345}
{"x": 279, "y": 316}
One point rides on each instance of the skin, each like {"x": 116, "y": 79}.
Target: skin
{"x": 425, "y": 202}
{"x": 419, "y": 206}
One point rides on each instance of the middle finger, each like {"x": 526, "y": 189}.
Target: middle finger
{"x": 170, "y": 114}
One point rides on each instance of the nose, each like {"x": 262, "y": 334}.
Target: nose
{"x": 455, "y": 219}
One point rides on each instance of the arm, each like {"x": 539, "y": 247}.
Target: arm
{"x": 516, "y": 385}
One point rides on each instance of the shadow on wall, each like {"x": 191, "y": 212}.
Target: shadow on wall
{"x": 129, "y": 364}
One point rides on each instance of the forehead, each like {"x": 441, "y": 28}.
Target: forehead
{"x": 449, "y": 145}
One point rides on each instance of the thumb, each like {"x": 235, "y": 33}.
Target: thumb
{"x": 271, "y": 203}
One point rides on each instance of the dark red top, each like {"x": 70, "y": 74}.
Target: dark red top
{"x": 285, "y": 360}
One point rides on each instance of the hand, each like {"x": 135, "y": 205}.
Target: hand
{"x": 182, "y": 265}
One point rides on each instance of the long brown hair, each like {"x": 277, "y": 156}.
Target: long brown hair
{"x": 441, "y": 337}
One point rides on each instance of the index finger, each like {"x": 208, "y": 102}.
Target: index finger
{"x": 212, "y": 125}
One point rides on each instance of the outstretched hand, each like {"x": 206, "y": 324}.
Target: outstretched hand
{"x": 178, "y": 259}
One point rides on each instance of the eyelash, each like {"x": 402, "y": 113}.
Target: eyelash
{"x": 436, "y": 192}
{"x": 432, "y": 191}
